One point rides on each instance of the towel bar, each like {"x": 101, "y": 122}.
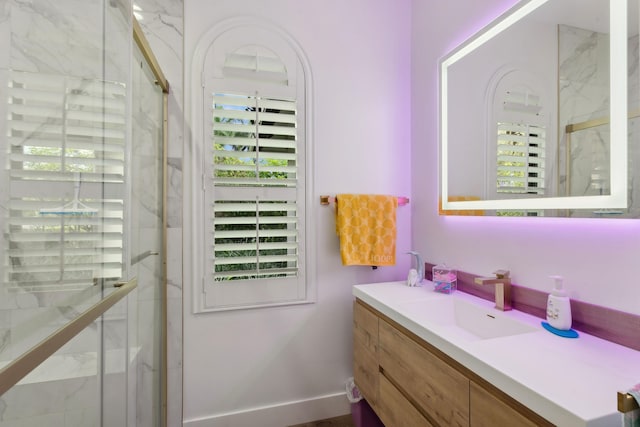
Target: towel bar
{"x": 626, "y": 402}
{"x": 326, "y": 200}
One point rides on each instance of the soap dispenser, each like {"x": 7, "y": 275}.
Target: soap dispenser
{"x": 559, "y": 306}
{"x": 416, "y": 275}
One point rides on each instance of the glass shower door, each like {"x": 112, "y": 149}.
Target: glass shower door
{"x": 82, "y": 205}
{"x": 146, "y": 304}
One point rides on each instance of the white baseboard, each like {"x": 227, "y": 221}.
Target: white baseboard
{"x": 279, "y": 415}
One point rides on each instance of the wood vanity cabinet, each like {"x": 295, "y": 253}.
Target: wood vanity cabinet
{"x": 365, "y": 352}
{"x": 489, "y": 411}
{"x": 410, "y": 383}
{"x": 439, "y": 392}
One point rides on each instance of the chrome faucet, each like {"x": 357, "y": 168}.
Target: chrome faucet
{"x": 419, "y": 266}
{"x": 502, "y": 289}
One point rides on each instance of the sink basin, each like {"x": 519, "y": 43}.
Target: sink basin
{"x": 458, "y": 315}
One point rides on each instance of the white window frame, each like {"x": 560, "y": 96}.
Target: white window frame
{"x": 208, "y": 76}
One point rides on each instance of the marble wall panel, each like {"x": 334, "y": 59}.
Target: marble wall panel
{"x": 49, "y": 399}
{"x": 57, "y": 37}
{"x": 584, "y": 95}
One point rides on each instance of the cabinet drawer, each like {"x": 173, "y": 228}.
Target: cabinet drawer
{"x": 395, "y": 410}
{"x": 365, "y": 372}
{"x": 365, "y": 353}
{"x": 365, "y": 328}
{"x": 489, "y": 411}
{"x": 441, "y": 391}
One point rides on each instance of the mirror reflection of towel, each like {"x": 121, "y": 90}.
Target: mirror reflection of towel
{"x": 366, "y": 224}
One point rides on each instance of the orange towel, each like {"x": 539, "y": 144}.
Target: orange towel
{"x": 366, "y": 225}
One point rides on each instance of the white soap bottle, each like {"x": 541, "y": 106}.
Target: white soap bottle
{"x": 559, "y": 306}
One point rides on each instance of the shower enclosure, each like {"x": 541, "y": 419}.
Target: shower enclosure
{"x": 82, "y": 277}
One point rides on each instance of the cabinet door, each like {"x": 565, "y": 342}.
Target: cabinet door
{"x": 489, "y": 411}
{"x": 395, "y": 410}
{"x": 441, "y": 391}
{"x": 365, "y": 352}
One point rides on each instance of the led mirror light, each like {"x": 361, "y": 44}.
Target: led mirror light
{"x": 617, "y": 199}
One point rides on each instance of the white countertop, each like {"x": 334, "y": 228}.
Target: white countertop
{"x": 570, "y": 382}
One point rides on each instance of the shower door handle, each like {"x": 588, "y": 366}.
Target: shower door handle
{"x": 122, "y": 283}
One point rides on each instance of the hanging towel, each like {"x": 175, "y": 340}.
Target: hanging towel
{"x": 366, "y": 225}
{"x": 632, "y": 418}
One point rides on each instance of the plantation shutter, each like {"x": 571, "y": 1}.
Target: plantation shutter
{"x": 65, "y": 202}
{"x": 255, "y": 174}
{"x": 521, "y": 136}
{"x": 254, "y": 141}
{"x": 520, "y": 158}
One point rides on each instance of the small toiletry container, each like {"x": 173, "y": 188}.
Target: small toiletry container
{"x": 559, "y": 306}
{"x": 445, "y": 279}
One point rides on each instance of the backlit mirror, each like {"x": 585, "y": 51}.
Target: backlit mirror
{"x": 539, "y": 113}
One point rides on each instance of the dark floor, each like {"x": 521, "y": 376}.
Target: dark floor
{"x": 343, "y": 421}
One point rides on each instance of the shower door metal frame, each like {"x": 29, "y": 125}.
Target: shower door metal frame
{"x": 145, "y": 48}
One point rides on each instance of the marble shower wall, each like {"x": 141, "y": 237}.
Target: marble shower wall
{"x": 584, "y": 95}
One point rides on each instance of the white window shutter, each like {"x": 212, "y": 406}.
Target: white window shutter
{"x": 520, "y": 159}
{"x": 254, "y": 181}
{"x": 520, "y": 143}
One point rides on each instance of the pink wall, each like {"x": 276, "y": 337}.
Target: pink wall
{"x": 288, "y": 365}
{"x": 374, "y": 66}
{"x": 599, "y": 258}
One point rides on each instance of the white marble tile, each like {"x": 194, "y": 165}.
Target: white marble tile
{"x": 174, "y": 193}
{"x": 160, "y": 7}
{"x": 5, "y": 335}
{"x": 50, "y": 397}
{"x": 58, "y": 38}
{"x": 174, "y": 404}
{"x": 174, "y": 261}
{"x": 175, "y": 121}
{"x": 149, "y": 273}
{"x": 584, "y": 95}
{"x": 115, "y": 399}
{"x": 4, "y": 172}
{"x": 81, "y": 418}
{"x": 5, "y": 34}
{"x": 55, "y": 419}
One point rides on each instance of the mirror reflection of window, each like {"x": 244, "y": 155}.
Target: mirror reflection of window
{"x": 518, "y": 139}
{"x": 520, "y": 144}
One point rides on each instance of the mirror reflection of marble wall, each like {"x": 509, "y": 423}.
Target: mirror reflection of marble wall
{"x": 583, "y": 96}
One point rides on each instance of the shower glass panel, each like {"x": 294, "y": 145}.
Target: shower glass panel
{"x": 67, "y": 389}
{"x": 81, "y": 200}
{"x": 62, "y": 182}
{"x": 146, "y": 243}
